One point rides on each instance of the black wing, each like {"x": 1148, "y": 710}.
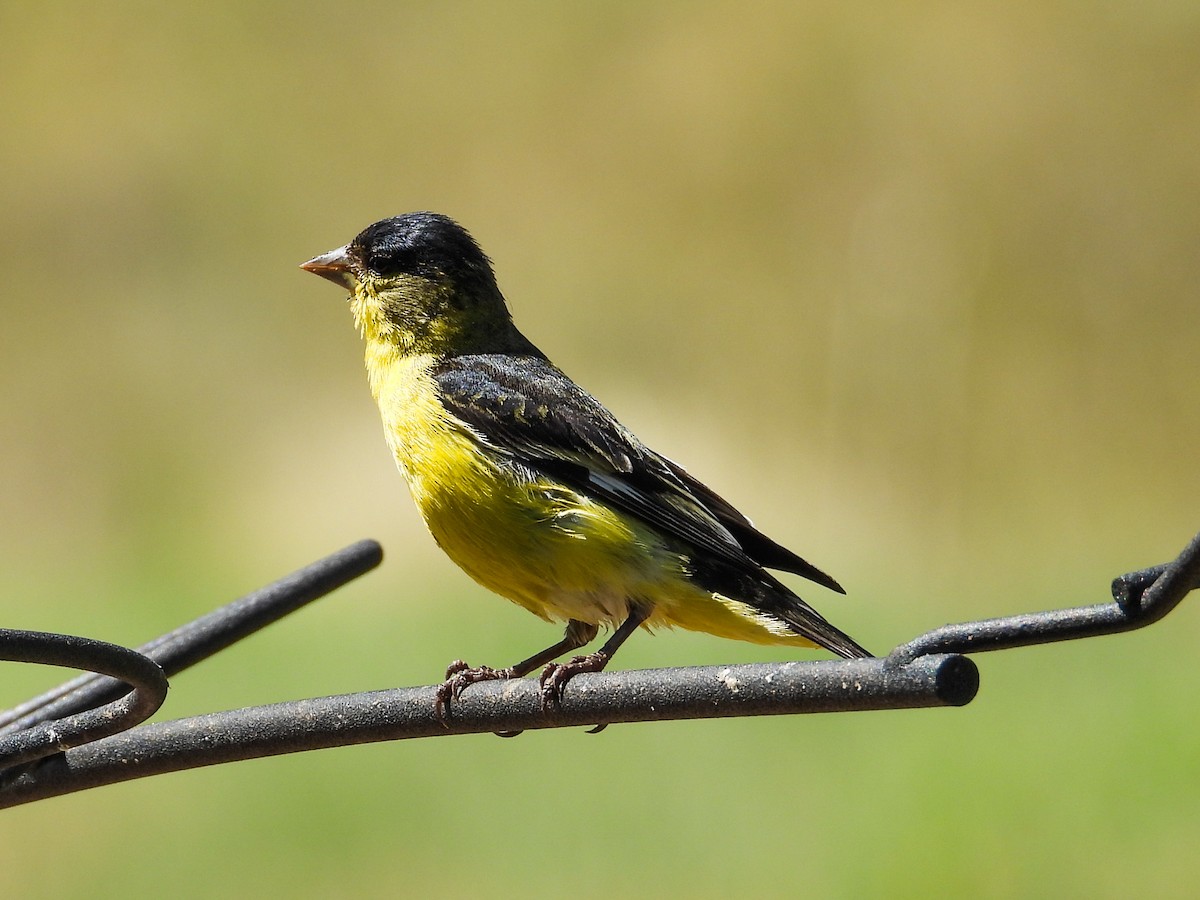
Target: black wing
{"x": 760, "y": 548}
{"x": 526, "y": 406}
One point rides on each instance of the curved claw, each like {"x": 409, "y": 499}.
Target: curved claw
{"x": 555, "y": 676}
{"x": 459, "y": 677}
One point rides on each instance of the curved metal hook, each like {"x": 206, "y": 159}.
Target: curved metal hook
{"x": 145, "y": 678}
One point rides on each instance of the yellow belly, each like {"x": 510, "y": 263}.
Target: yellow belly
{"x": 556, "y": 552}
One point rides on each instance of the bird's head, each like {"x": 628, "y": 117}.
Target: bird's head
{"x": 421, "y": 283}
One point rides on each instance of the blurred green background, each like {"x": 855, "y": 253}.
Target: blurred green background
{"x": 913, "y": 284}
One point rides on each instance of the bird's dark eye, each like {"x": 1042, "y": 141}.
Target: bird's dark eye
{"x": 392, "y": 260}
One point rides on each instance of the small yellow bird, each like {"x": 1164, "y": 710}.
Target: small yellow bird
{"x": 530, "y": 485}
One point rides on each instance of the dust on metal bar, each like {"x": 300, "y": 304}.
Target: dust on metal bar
{"x": 605, "y": 697}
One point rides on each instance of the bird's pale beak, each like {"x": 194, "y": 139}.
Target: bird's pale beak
{"x": 334, "y": 265}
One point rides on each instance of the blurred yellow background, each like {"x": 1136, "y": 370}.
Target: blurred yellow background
{"x": 914, "y": 285}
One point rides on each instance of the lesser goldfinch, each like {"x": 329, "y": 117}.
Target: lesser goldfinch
{"x": 532, "y": 486}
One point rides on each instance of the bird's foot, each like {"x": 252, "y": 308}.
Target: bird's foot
{"x": 459, "y": 677}
{"x": 555, "y": 676}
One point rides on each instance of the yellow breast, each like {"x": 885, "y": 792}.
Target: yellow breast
{"x": 429, "y": 445}
{"x": 554, "y": 551}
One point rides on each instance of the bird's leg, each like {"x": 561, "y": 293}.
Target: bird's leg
{"x": 460, "y": 676}
{"x": 556, "y": 675}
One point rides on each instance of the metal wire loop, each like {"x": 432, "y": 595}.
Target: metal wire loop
{"x": 145, "y": 681}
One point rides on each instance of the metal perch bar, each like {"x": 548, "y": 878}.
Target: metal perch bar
{"x": 927, "y": 671}
{"x": 606, "y": 697}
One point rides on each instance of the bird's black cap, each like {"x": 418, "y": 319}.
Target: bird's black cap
{"x": 426, "y": 244}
